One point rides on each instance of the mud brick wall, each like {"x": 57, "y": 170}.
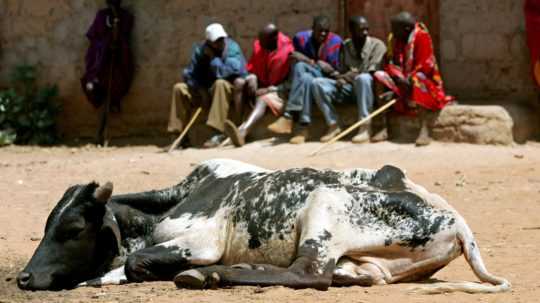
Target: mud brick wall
{"x": 482, "y": 47}
{"x": 484, "y": 52}
{"x": 50, "y": 34}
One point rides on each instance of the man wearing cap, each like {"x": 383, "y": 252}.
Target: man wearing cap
{"x": 215, "y": 73}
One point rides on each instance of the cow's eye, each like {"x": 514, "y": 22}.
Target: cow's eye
{"x": 74, "y": 232}
{"x": 71, "y": 233}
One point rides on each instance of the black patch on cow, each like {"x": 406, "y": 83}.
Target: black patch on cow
{"x": 401, "y": 217}
{"x": 267, "y": 203}
{"x": 312, "y": 243}
{"x": 325, "y": 236}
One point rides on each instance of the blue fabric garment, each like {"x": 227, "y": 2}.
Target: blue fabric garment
{"x": 328, "y": 52}
{"x": 325, "y": 93}
{"x": 203, "y": 72}
{"x": 300, "y": 94}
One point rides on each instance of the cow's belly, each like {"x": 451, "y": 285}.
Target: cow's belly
{"x": 278, "y": 250}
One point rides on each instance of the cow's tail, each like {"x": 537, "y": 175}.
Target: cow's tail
{"x": 473, "y": 257}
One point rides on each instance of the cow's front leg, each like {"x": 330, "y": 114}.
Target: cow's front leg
{"x": 309, "y": 270}
{"x": 157, "y": 263}
{"x": 163, "y": 261}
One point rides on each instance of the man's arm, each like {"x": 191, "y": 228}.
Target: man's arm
{"x": 189, "y": 72}
{"x": 376, "y": 57}
{"x": 234, "y": 63}
{"x": 299, "y": 57}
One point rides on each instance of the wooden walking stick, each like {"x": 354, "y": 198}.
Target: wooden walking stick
{"x": 355, "y": 126}
{"x": 186, "y": 129}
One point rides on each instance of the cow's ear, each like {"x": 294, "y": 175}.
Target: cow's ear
{"x": 111, "y": 229}
{"x": 103, "y": 193}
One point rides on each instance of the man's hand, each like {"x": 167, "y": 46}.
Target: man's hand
{"x": 340, "y": 82}
{"x": 326, "y": 68}
{"x": 404, "y": 83}
{"x": 261, "y": 92}
{"x": 350, "y": 76}
{"x": 208, "y": 51}
{"x": 299, "y": 57}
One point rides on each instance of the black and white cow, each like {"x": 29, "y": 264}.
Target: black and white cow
{"x": 230, "y": 223}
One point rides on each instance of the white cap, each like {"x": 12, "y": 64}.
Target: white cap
{"x": 215, "y": 31}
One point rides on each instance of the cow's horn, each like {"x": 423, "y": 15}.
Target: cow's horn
{"x": 104, "y": 192}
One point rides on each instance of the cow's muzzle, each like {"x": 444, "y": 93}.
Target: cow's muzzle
{"x": 23, "y": 280}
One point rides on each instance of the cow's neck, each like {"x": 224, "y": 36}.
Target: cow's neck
{"x": 137, "y": 214}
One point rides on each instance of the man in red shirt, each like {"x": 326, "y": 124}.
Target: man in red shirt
{"x": 411, "y": 72}
{"x": 269, "y": 68}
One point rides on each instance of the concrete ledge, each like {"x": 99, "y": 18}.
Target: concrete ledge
{"x": 456, "y": 123}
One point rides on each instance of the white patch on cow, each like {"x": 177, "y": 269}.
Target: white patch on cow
{"x": 114, "y": 277}
{"x": 135, "y": 244}
{"x": 223, "y": 168}
{"x": 68, "y": 204}
{"x": 356, "y": 176}
{"x": 276, "y": 251}
{"x": 204, "y": 237}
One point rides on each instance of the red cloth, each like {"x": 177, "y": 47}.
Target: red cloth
{"x": 415, "y": 60}
{"x": 271, "y": 68}
{"x": 532, "y": 19}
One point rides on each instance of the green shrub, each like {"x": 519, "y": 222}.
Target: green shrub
{"x": 28, "y": 112}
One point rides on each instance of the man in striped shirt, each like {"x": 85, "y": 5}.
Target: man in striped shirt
{"x": 316, "y": 55}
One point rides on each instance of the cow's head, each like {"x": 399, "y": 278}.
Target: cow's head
{"x": 80, "y": 241}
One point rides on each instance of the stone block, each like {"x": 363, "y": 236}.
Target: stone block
{"x": 473, "y": 124}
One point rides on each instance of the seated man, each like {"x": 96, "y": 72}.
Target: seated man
{"x": 412, "y": 73}
{"x": 316, "y": 54}
{"x": 215, "y": 72}
{"x": 360, "y": 57}
{"x": 269, "y": 68}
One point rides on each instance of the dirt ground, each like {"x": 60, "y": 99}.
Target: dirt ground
{"x": 497, "y": 189}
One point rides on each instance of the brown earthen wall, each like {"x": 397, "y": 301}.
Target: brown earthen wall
{"x": 50, "y": 34}
{"x": 483, "y": 50}
{"x": 482, "y": 47}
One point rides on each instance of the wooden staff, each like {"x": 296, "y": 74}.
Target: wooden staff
{"x": 186, "y": 129}
{"x": 355, "y": 126}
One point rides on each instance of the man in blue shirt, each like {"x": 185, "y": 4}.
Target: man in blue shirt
{"x": 316, "y": 55}
{"x": 216, "y": 73}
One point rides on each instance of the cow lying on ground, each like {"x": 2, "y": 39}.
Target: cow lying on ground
{"x": 230, "y": 223}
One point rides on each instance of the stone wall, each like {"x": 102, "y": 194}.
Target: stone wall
{"x": 51, "y": 35}
{"x": 484, "y": 52}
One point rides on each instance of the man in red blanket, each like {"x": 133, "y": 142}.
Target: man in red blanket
{"x": 269, "y": 68}
{"x": 532, "y": 19}
{"x": 411, "y": 72}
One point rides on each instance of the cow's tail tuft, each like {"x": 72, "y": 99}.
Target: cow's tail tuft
{"x": 473, "y": 257}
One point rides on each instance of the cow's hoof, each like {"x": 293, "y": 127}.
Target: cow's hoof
{"x": 242, "y": 266}
{"x": 194, "y": 279}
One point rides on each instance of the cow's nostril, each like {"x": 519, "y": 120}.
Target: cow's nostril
{"x": 23, "y": 279}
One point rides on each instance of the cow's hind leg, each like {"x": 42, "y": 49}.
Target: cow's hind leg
{"x": 307, "y": 271}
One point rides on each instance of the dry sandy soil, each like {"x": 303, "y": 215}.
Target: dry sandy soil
{"x": 497, "y": 189}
